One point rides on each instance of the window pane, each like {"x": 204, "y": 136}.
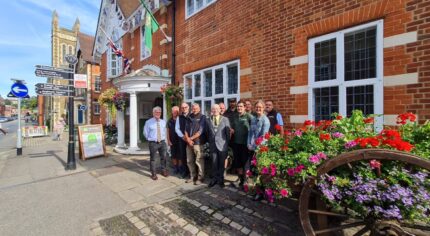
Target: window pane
{"x": 219, "y": 100}
{"x": 199, "y": 4}
{"x": 208, "y": 83}
{"x": 190, "y": 4}
{"x": 325, "y": 60}
{"x": 188, "y": 87}
{"x": 219, "y": 88}
{"x": 197, "y": 85}
{"x": 359, "y": 98}
{"x": 326, "y": 102}
{"x": 208, "y": 105}
{"x": 232, "y": 79}
{"x": 360, "y": 54}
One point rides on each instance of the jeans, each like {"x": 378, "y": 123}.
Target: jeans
{"x": 161, "y": 148}
{"x": 218, "y": 159}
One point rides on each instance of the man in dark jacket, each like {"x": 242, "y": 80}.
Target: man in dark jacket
{"x": 218, "y": 132}
{"x": 181, "y": 122}
{"x": 275, "y": 118}
{"x": 195, "y": 139}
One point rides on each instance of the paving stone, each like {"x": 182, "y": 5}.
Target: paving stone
{"x": 158, "y": 207}
{"x": 119, "y": 225}
{"x": 236, "y": 225}
{"x": 159, "y": 223}
{"x": 128, "y": 214}
{"x": 192, "y": 229}
{"x": 218, "y": 216}
{"x": 240, "y": 207}
{"x": 229, "y": 202}
{"x": 226, "y": 220}
{"x": 214, "y": 195}
{"x": 145, "y": 231}
{"x": 133, "y": 219}
{"x": 207, "y": 192}
{"x": 181, "y": 222}
{"x": 166, "y": 211}
{"x": 130, "y": 196}
{"x": 173, "y": 216}
{"x": 247, "y": 210}
{"x": 197, "y": 217}
{"x": 140, "y": 225}
{"x": 201, "y": 233}
{"x": 209, "y": 211}
{"x": 98, "y": 231}
{"x": 245, "y": 230}
{"x": 94, "y": 225}
{"x": 268, "y": 219}
{"x": 253, "y": 233}
{"x": 204, "y": 208}
{"x": 256, "y": 214}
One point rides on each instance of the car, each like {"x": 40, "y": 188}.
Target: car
{"x": 3, "y": 119}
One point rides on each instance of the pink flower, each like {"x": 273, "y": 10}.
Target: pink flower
{"x": 269, "y": 194}
{"x": 374, "y": 164}
{"x": 322, "y": 155}
{"x": 299, "y": 168}
{"x": 331, "y": 178}
{"x": 290, "y": 171}
{"x": 245, "y": 188}
{"x": 265, "y": 171}
{"x": 272, "y": 169}
{"x": 284, "y": 192}
{"x": 314, "y": 159}
{"x": 298, "y": 133}
{"x": 254, "y": 161}
{"x": 259, "y": 140}
{"x": 248, "y": 173}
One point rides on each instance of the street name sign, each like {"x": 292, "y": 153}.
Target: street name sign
{"x": 47, "y": 86}
{"x": 19, "y": 90}
{"x": 65, "y": 93}
{"x": 49, "y": 71}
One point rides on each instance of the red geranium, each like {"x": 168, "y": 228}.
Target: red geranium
{"x": 369, "y": 120}
{"x": 267, "y": 136}
{"x": 339, "y": 117}
{"x": 324, "y": 137}
{"x": 278, "y": 127}
{"x": 403, "y": 118}
{"x": 264, "y": 149}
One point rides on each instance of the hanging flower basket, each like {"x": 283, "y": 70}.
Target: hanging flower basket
{"x": 106, "y": 99}
{"x": 174, "y": 95}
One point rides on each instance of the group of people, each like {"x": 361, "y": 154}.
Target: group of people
{"x": 237, "y": 127}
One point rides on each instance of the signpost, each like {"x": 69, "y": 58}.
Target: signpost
{"x": 19, "y": 90}
{"x": 64, "y": 93}
{"x": 71, "y": 162}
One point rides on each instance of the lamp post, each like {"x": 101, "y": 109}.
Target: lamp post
{"x": 19, "y": 90}
{"x": 71, "y": 162}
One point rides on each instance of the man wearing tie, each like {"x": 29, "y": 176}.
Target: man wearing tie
{"x": 219, "y": 136}
{"x": 155, "y": 132}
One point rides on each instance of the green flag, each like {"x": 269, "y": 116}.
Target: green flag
{"x": 151, "y": 26}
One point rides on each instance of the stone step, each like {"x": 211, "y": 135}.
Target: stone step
{"x": 118, "y": 226}
{"x": 255, "y": 216}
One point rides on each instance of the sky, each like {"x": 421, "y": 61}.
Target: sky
{"x": 25, "y": 39}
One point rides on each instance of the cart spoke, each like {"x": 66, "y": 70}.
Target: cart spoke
{"x": 355, "y": 224}
{"x": 362, "y": 231}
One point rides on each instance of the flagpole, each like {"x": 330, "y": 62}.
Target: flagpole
{"x": 169, "y": 39}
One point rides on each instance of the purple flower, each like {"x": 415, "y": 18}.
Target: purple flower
{"x": 350, "y": 144}
{"x": 420, "y": 176}
{"x": 322, "y": 155}
{"x": 338, "y": 135}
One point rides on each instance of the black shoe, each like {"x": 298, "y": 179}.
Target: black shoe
{"x": 154, "y": 177}
{"x": 211, "y": 184}
{"x": 232, "y": 185}
{"x": 258, "y": 197}
{"x": 222, "y": 185}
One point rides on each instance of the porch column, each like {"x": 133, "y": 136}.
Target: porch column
{"x": 133, "y": 122}
{"x": 121, "y": 129}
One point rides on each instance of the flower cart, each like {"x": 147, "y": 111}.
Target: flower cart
{"x": 350, "y": 180}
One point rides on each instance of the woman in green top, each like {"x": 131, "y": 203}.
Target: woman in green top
{"x": 240, "y": 125}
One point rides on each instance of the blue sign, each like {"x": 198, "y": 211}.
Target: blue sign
{"x": 82, "y": 107}
{"x": 19, "y": 90}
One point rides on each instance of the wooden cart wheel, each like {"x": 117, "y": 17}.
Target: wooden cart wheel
{"x": 310, "y": 194}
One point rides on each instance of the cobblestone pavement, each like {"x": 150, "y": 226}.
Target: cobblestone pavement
{"x": 213, "y": 211}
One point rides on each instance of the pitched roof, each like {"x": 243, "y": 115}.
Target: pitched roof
{"x": 128, "y": 6}
{"x": 86, "y": 46}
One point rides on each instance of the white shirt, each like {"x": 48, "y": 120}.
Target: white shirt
{"x": 150, "y": 129}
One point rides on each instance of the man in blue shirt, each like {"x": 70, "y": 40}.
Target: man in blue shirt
{"x": 155, "y": 132}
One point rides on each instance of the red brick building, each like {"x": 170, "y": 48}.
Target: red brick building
{"x": 311, "y": 57}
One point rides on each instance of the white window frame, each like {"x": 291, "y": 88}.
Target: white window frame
{"x": 205, "y": 4}
{"x": 143, "y": 48}
{"x": 95, "y": 104}
{"x": 378, "y": 91}
{"x": 119, "y": 63}
{"x": 100, "y": 84}
{"x": 224, "y": 95}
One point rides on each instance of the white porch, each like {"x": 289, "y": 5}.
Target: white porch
{"x": 144, "y": 89}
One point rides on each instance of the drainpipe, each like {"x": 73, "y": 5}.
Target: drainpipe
{"x": 173, "y": 42}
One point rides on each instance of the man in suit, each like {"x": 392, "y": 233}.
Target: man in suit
{"x": 218, "y": 128}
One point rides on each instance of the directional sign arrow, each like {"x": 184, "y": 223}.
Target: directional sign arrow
{"x": 53, "y": 73}
{"x": 19, "y": 90}
{"x": 65, "y": 93}
{"x": 54, "y": 68}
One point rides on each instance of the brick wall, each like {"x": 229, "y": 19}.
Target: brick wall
{"x": 265, "y": 35}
